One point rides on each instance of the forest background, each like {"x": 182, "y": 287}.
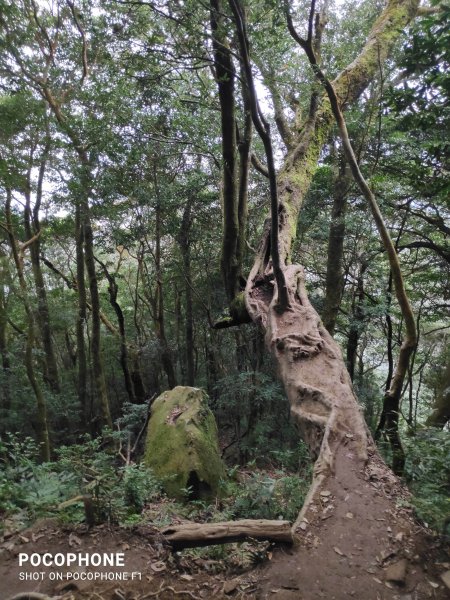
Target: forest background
{"x": 111, "y": 251}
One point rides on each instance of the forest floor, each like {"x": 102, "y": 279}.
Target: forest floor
{"x": 337, "y": 568}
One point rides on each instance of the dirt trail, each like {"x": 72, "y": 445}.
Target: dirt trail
{"x": 354, "y": 544}
{"x": 161, "y": 574}
{"x": 342, "y": 562}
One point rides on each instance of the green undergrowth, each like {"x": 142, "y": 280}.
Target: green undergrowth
{"x": 427, "y": 473}
{"x": 131, "y": 494}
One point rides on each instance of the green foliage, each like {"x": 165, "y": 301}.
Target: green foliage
{"x": 119, "y": 493}
{"x": 147, "y": 117}
{"x": 267, "y": 495}
{"x": 132, "y": 493}
{"x": 25, "y": 486}
{"x": 427, "y": 471}
{"x": 249, "y": 401}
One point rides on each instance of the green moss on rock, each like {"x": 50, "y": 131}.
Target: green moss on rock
{"x": 182, "y": 444}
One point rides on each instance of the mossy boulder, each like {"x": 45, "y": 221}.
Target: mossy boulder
{"x": 182, "y": 444}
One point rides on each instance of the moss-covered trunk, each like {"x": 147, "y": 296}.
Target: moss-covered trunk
{"x": 294, "y": 180}
{"x": 309, "y": 362}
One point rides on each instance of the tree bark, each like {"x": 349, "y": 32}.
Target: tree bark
{"x": 160, "y": 328}
{"x": 225, "y": 77}
{"x": 41, "y": 427}
{"x": 192, "y": 535}
{"x": 356, "y": 321}
{"x": 392, "y": 396}
{"x": 334, "y": 280}
{"x": 81, "y": 355}
{"x": 184, "y": 242}
{"x": 5, "y": 404}
{"x": 347, "y": 466}
{"x": 97, "y": 362}
{"x": 33, "y": 227}
{"x": 309, "y": 362}
{"x": 441, "y": 411}
{"x": 113, "y": 290}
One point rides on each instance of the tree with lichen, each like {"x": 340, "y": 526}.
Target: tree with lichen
{"x": 309, "y": 361}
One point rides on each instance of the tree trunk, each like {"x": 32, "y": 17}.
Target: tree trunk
{"x": 185, "y": 247}
{"x": 356, "y": 321}
{"x": 441, "y": 411}
{"x": 225, "y": 76}
{"x": 113, "y": 290}
{"x": 82, "y": 384}
{"x": 347, "y": 467}
{"x": 160, "y": 330}
{"x": 334, "y": 283}
{"x": 97, "y": 362}
{"x": 32, "y": 227}
{"x": 17, "y": 252}
{"x": 5, "y": 403}
{"x": 192, "y": 535}
{"x": 348, "y": 474}
{"x": 352, "y": 504}
{"x": 138, "y": 383}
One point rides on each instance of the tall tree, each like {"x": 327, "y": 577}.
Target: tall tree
{"x": 309, "y": 361}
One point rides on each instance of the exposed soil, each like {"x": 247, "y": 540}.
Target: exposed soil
{"x": 357, "y": 543}
{"x": 161, "y": 575}
{"x": 336, "y": 564}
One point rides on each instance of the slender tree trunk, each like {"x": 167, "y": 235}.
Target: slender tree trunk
{"x": 185, "y": 247}
{"x": 225, "y": 76}
{"x": 97, "y": 362}
{"x": 166, "y": 355}
{"x": 334, "y": 282}
{"x": 41, "y": 421}
{"x": 356, "y": 321}
{"x": 441, "y": 411}
{"x": 138, "y": 382}
{"x": 113, "y": 290}
{"x": 82, "y": 375}
{"x": 85, "y": 251}
{"x": 32, "y": 227}
{"x": 178, "y": 334}
{"x": 5, "y": 393}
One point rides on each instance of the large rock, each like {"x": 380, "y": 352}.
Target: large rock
{"x": 182, "y": 444}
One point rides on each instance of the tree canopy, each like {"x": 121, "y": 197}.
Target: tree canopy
{"x": 250, "y": 197}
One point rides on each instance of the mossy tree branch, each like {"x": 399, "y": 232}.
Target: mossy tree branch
{"x": 392, "y": 397}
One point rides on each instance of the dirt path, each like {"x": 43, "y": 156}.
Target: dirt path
{"x": 157, "y": 573}
{"x": 342, "y": 566}
{"x": 359, "y": 540}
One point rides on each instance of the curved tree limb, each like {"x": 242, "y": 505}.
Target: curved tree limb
{"x": 263, "y": 128}
{"x": 392, "y": 397}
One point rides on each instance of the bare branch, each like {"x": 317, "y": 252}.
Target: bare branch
{"x": 263, "y": 128}
{"x": 82, "y": 33}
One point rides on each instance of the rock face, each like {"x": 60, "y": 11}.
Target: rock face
{"x": 182, "y": 444}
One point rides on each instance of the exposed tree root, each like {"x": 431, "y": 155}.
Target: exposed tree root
{"x": 310, "y": 365}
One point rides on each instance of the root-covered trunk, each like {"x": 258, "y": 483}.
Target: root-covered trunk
{"x": 354, "y": 520}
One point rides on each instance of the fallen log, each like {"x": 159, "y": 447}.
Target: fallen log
{"x": 192, "y": 535}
